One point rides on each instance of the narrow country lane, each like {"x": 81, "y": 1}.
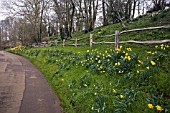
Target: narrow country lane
{"x": 23, "y": 89}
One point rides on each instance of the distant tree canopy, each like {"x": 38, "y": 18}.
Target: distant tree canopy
{"x": 35, "y": 19}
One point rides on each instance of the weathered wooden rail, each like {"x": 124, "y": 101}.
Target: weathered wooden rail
{"x": 72, "y": 40}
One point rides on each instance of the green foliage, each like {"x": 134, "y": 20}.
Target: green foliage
{"x": 126, "y": 83}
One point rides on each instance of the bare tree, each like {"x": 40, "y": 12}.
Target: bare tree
{"x": 32, "y": 11}
{"x": 159, "y": 4}
{"x": 0, "y": 38}
{"x": 104, "y": 6}
{"x": 116, "y": 8}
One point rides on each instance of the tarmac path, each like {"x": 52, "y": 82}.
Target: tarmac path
{"x": 23, "y": 88}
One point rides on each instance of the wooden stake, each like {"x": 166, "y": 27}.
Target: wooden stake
{"x": 56, "y": 42}
{"x": 116, "y": 39}
{"x": 76, "y": 42}
{"x": 64, "y": 42}
{"x": 91, "y": 40}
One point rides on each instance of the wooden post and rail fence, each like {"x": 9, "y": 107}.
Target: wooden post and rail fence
{"x": 116, "y": 40}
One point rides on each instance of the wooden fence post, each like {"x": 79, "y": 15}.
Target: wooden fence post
{"x": 76, "y": 42}
{"x": 91, "y": 40}
{"x": 116, "y": 39}
{"x": 56, "y": 42}
{"x": 64, "y": 42}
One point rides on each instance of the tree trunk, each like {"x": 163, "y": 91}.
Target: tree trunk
{"x": 90, "y": 27}
{"x": 60, "y": 18}
{"x": 41, "y": 17}
{"x": 0, "y": 39}
{"x": 72, "y": 18}
{"x": 138, "y": 8}
{"x": 104, "y": 13}
{"x": 134, "y": 8}
{"x": 95, "y": 13}
{"x": 86, "y": 17}
{"x": 120, "y": 19}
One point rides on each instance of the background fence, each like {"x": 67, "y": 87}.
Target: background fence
{"x": 75, "y": 42}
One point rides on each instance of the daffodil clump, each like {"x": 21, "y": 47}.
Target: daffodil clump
{"x": 110, "y": 61}
{"x": 25, "y": 50}
{"x": 157, "y": 107}
{"x": 17, "y": 48}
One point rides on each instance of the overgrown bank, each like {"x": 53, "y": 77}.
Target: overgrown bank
{"x": 133, "y": 79}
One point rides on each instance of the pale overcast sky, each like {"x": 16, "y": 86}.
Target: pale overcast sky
{"x": 3, "y": 16}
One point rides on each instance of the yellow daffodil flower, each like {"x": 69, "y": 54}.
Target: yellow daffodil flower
{"x": 159, "y": 108}
{"x": 121, "y": 97}
{"x": 140, "y": 61}
{"x": 99, "y": 61}
{"x": 121, "y": 47}
{"x": 92, "y": 108}
{"x": 162, "y": 45}
{"x": 114, "y": 91}
{"x": 150, "y": 106}
{"x": 117, "y": 64}
{"x": 153, "y": 63}
{"x": 85, "y": 85}
{"x": 156, "y": 46}
{"x": 149, "y": 52}
{"x": 129, "y": 49}
{"x": 129, "y": 58}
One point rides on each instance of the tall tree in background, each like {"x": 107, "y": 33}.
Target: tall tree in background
{"x": 32, "y": 11}
{"x": 128, "y": 10}
{"x": 60, "y": 16}
{"x": 134, "y": 8}
{"x": 116, "y": 10}
{"x": 104, "y": 6}
{"x": 0, "y": 38}
{"x": 90, "y": 9}
{"x": 159, "y": 4}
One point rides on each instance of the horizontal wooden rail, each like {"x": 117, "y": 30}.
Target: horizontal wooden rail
{"x": 83, "y": 38}
{"x": 105, "y": 36}
{"x": 142, "y": 29}
{"x": 146, "y": 42}
{"x": 132, "y": 30}
{"x": 76, "y": 44}
{"x": 137, "y": 42}
{"x": 103, "y": 42}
